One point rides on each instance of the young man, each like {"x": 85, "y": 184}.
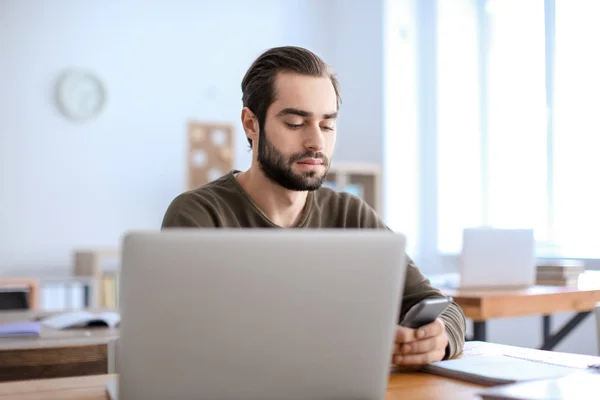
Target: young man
{"x": 290, "y": 106}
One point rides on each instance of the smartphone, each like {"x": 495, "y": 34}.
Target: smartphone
{"x": 425, "y": 312}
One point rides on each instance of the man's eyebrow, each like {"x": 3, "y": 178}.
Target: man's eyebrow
{"x": 294, "y": 111}
{"x": 302, "y": 113}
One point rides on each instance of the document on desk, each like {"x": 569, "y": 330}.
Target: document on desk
{"x": 77, "y": 319}
{"x": 496, "y": 370}
{"x": 577, "y": 386}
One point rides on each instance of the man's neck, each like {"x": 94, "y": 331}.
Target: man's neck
{"x": 282, "y": 206}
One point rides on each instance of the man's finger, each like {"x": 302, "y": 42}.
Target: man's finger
{"x": 405, "y": 335}
{"x": 419, "y": 346}
{"x": 411, "y": 360}
{"x": 432, "y": 329}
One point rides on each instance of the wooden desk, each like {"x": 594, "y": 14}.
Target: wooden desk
{"x": 402, "y": 384}
{"x": 483, "y": 305}
{"x": 56, "y": 353}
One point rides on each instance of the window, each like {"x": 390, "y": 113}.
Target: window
{"x": 458, "y": 120}
{"x": 515, "y": 154}
{"x": 517, "y": 97}
{"x": 576, "y": 147}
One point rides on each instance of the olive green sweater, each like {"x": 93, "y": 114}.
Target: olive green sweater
{"x": 223, "y": 203}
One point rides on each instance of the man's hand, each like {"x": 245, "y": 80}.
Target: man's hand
{"x": 417, "y": 347}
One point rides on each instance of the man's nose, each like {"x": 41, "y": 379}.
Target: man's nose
{"x": 314, "y": 139}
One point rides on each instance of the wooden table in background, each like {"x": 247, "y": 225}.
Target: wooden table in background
{"x": 484, "y": 305}
{"x": 56, "y": 353}
{"x": 402, "y": 384}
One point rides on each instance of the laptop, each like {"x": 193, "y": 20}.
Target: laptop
{"x": 258, "y": 313}
{"x": 497, "y": 258}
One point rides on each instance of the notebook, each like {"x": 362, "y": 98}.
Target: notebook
{"x": 78, "y": 319}
{"x": 20, "y": 329}
{"x": 497, "y": 370}
{"x": 577, "y": 386}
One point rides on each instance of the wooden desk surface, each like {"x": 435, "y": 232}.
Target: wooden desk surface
{"x": 402, "y": 384}
{"x": 56, "y": 353}
{"x": 484, "y": 304}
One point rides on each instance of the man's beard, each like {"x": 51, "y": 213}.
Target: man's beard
{"x": 278, "y": 168}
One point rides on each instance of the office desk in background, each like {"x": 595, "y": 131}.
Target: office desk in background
{"x": 401, "y": 384}
{"x": 56, "y": 353}
{"x": 482, "y": 305}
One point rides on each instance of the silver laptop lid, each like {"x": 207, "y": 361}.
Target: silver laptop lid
{"x": 258, "y": 314}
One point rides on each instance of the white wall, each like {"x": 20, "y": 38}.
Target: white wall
{"x": 357, "y": 55}
{"x": 66, "y": 185}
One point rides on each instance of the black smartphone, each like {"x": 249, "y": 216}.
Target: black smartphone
{"x": 425, "y": 312}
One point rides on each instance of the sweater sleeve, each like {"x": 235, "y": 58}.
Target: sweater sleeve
{"x": 417, "y": 288}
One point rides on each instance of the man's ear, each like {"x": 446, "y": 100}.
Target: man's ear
{"x": 250, "y": 124}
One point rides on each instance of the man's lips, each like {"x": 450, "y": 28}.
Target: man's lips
{"x": 310, "y": 161}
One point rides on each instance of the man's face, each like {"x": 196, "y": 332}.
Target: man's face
{"x": 298, "y": 136}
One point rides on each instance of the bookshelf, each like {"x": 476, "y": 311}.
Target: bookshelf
{"x": 92, "y": 263}
{"x": 361, "y": 179}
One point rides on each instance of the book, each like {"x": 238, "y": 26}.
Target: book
{"x": 78, "y": 319}
{"x": 13, "y": 329}
{"x": 559, "y": 270}
{"x": 496, "y": 370}
{"x": 570, "y": 282}
{"x": 579, "y": 386}
{"x": 559, "y": 264}
{"x": 110, "y": 290}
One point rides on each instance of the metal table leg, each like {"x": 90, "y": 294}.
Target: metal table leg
{"x": 479, "y": 330}
{"x": 551, "y": 340}
{"x": 547, "y": 327}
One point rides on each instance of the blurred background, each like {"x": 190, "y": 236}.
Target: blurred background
{"x": 472, "y": 112}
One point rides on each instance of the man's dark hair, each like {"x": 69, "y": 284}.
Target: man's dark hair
{"x": 258, "y": 85}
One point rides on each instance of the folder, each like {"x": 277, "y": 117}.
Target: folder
{"x": 497, "y": 369}
{"x": 13, "y": 329}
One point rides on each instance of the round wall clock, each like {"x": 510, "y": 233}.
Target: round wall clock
{"x": 80, "y": 95}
